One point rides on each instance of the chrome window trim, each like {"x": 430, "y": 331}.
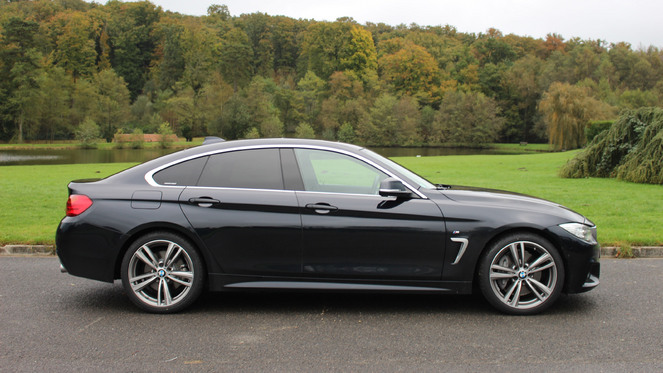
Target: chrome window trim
{"x": 150, "y": 180}
{"x": 241, "y": 189}
{"x": 377, "y": 196}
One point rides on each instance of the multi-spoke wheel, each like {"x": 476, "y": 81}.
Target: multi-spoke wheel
{"x": 162, "y": 272}
{"x": 521, "y": 274}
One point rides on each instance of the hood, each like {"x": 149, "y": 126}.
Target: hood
{"x": 509, "y": 200}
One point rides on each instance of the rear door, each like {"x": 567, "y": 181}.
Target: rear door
{"x": 245, "y": 217}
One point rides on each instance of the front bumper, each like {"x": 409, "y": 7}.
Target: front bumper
{"x": 583, "y": 267}
{"x": 592, "y": 280}
{"x": 581, "y": 261}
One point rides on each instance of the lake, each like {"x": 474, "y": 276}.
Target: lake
{"x": 74, "y": 156}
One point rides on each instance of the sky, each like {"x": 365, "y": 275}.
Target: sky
{"x": 638, "y": 22}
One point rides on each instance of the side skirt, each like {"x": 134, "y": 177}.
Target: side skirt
{"x": 222, "y": 282}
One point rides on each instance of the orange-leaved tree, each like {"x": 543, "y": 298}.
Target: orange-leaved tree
{"x": 567, "y": 110}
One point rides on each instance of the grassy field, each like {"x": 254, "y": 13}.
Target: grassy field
{"x": 521, "y": 148}
{"x": 34, "y": 196}
{"x": 624, "y": 212}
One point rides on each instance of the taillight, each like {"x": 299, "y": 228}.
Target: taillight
{"x": 77, "y": 204}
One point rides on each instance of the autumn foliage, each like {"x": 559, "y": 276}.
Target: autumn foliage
{"x": 133, "y": 66}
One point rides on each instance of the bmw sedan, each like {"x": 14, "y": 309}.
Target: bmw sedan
{"x": 317, "y": 216}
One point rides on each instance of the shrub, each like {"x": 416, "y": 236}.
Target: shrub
{"x": 137, "y": 139}
{"x": 165, "y": 135}
{"x": 88, "y": 133}
{"x": 596, "y": 127}
{"x": 119, "y": 139}
{"x": 632, "y": 150}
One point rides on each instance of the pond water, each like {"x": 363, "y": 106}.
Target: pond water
{"x": 74, "y": 156}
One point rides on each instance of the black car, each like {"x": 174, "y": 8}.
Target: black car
{"x": 321, "y": 216}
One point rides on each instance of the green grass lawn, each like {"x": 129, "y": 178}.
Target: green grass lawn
{"x": 519, "y": 148}
{"x": 624, "y": 212}
{"x": 34, "y": 196}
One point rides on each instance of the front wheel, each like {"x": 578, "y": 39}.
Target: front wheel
{"x": 521, "y": 274}
{"x": 162, "y": 273}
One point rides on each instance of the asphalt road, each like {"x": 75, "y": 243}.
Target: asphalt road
{"x": 56, "y": 322}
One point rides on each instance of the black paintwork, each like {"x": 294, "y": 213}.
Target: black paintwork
{"x": 291, "y": 238}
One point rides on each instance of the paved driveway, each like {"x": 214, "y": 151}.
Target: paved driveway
{"x": 55, "y": 322}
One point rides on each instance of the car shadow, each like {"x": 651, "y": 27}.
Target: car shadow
{"x": 113, "y": 298}
{"x": 348, "y": 303}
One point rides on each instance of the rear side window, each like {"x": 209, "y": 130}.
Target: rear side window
{"x": 253, "y": 169}
{"x": 184, "y": 173}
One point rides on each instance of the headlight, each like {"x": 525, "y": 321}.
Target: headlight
{"x": 582, "y": 231}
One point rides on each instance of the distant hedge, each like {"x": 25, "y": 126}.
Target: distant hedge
{"x": 596, "y": 127}
{"x": 632, "y": 150}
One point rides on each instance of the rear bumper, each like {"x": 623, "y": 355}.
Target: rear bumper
{"x": 84, "y": 250}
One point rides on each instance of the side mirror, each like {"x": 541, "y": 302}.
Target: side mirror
{"x": 391, "y": 187}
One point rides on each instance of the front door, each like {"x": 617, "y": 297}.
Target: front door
{"x": 350, "y": 231}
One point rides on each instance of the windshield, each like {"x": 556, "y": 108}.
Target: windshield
{"x": 420, "y": 181}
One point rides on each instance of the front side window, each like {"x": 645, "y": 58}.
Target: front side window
{"x": 325, "y": 171}
{"x": 253, "y": 169}
{"x": 418, "y": 180}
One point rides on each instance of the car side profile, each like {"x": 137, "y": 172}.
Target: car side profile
{"x": 314, "y": 215}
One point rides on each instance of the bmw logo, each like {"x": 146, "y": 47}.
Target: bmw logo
{"x": 161, "y": 273}
{"x": 522, "y": 275}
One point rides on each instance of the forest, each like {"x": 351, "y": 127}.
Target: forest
{"x": 71, "y": 69}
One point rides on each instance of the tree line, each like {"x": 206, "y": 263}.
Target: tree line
{"x": 125, "y": 67}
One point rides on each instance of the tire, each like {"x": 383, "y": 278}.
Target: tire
{"x": 521, "y": 287}
{"x": 162, "y": 273}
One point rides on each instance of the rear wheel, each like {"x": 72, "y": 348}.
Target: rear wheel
{"x": 521, "y": 274}
{"x": 162, "y": 273}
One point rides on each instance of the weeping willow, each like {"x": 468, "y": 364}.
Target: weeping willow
{"x": 567, "y": 109}
{"x": 631, "y": 150}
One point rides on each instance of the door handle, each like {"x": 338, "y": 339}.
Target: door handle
{"x": 204, "y": 201}
{"x": 321, "y": 208}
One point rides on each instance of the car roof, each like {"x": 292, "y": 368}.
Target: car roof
{"x": 141, "y": 169}
{"x": 278, "y": 141}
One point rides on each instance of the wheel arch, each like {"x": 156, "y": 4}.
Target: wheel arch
{"x": 533, "y": 301}
{"x": 553, "y": 239}
{"x": 143, "y": 230}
